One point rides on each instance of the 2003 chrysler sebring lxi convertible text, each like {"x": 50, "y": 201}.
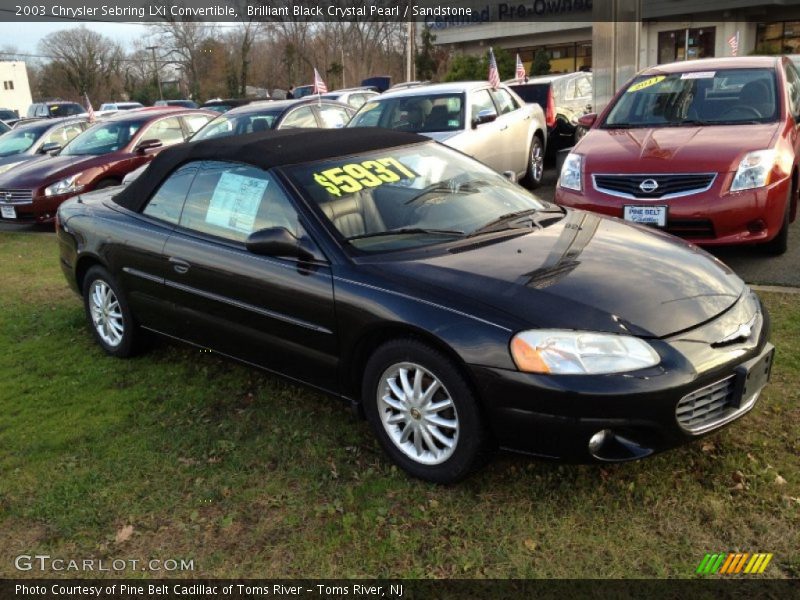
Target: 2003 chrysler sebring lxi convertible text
{"x": 454, "y": 308}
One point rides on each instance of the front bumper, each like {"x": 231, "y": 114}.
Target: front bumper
{"x": 712, "y": 218}
{"x": 627, "y": 416}
{"x": 40, "y": 209}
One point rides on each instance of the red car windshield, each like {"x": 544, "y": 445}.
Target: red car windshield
{"x": 714, "y": 97}
{"x": 102, "y": 139}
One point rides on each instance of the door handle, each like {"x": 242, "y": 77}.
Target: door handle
{"x": 504, "y": 127}
{"x": 180, "y": 266}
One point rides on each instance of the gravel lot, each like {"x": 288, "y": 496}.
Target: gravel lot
{"x": 753, "y": 265}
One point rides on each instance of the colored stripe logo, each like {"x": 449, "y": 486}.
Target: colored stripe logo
{"x": 733, "y": 563}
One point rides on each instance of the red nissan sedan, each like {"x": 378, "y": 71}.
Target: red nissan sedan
{"x": 97, "y": 158}
{"x": 706, "y": 150}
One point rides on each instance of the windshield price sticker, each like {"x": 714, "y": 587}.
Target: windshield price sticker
{"x": 646, "y": 83}
{"x": 699, "y": 75}
{"x": 354, "y": 177}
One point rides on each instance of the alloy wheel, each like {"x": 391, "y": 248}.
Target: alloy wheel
{"x": 418, "y": 413}
{"x": 106, "y": 313}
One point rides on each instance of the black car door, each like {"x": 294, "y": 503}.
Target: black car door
{"x": 273, "y": 311}
{"x": 139, "y": 258}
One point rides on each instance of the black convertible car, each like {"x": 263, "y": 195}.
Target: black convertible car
{"x": 454, "y": 308}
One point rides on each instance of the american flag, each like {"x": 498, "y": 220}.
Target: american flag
{"x": 89, "y": 109}
{"x": 319, "y": 85}
{"x": 733, "y": 42}
{"x": 520, "y": 73}
{"x": 494, "y": 75}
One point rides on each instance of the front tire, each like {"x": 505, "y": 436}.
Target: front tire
{"x": 535, "y": 169}
{"x": 780, "y": 243}
{"x": 423, "y": 411}
{"x": 108, "y": 314}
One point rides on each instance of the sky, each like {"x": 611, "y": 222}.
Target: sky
{"x": 25, "y": 36}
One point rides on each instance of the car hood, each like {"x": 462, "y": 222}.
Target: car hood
{"x": 717, "y": 148}
{"x": 44, "y": 170}
{"x": 13, "y": 159}
{"x": 584, "y": 272}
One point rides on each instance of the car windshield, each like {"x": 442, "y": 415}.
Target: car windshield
{"x": 714, "y": 97}
{"x": 412, "y": 196}
{"x": 420, "y": 113}
{"x": 20, "y": 140}
{"x": 102, "y": 139}
{"x": 5, "y": 115}
{"x": 240, "y": 124}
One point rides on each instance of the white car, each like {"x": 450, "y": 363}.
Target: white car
{"x": 355, "y": 97}
{"x": 493, "y": 125}
{"x": 120, "y": 106}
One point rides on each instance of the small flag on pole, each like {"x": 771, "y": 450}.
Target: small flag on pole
{"x": 520, "y": 72}
{"x": 319, "y": 85}
{"x": 89, "y": 109}
{"x": 494, "y": 75}
{"x": 733, "y": 42}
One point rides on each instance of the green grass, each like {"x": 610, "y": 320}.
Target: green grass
{"x": 252, "y": 477}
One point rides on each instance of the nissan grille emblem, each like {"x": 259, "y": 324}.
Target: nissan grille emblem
{"x": 648, "y": 186}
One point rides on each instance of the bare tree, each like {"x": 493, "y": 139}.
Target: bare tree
{"x": 184, "y": 43}
{"x": 87, "y": 61}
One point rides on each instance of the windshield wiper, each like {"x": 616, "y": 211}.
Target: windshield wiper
{"x": 512, "y": 220}
{"x": 408, "y": 230}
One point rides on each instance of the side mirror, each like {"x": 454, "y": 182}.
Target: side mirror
{"x": 587, "y": 120}
{"x": 147, "y": 145}
{"x": 50, "y": 148}
{"x": 276, "y": 241}
{"x": 511, "y": 176}
{"x": 485, "y": 116}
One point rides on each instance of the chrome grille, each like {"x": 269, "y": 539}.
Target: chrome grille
{"x": 16, "y": 196}
{"x": 701, "y": 409}
{"x": 666, "y": 185}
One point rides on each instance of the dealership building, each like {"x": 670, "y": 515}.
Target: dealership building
{"x": 665, "y": 30}
{"x": 15, "y": 91}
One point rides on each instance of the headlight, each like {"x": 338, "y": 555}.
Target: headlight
{"x": 560, "y": 352}
{"x": 571, "y": 172}
{"x": 4, "y": 168}
{"x": 68, "y": 185}
{"x": 754, "y": 170}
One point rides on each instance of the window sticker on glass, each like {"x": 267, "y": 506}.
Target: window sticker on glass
{"x": 699, "y": 75}
{"x": 646, "y": 83}
{"x": 235, "y": 202}
{"x": 354, "y": 177}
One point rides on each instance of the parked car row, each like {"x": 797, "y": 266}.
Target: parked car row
{"x": 493, "y": 125}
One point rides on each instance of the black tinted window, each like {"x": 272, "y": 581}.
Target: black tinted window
{"x": 231, "y": 201}
{"x": 167, "y": 203}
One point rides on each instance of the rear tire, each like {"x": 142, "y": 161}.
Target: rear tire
{"x": 108, "y": 314}
{"x": 423, "y": 411}
{"x": 780, "y": 243}
{"x": 535, "y": 168}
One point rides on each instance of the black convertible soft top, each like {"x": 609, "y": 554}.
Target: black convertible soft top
{"x": 265, "y": 149}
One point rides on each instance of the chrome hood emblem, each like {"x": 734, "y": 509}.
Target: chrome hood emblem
{"x": 742, "y": 332}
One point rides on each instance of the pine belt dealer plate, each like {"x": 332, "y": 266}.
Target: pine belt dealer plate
{"x": 647, "y": 215}
{"x": 8, "y": 212}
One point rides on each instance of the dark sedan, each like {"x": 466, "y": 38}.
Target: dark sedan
{"x": 456, "y": 310}
{"x": 99, "y": 157}
{"x": 565, "y": 99}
